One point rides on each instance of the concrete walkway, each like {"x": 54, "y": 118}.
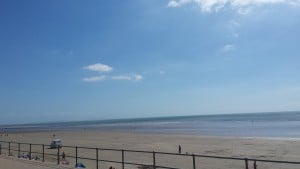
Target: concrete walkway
{"x": 15, "y": 163}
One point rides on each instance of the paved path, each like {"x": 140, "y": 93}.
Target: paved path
{"x": 14, "y": 163}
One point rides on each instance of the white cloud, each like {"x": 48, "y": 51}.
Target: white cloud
{"x": 138, "y": 77}
{"x": 94, "y": 78}
{"x": 121, "y": 77}
{"x": 134, "y": 77}
{"x": 173, "y": 4}
{"x": 178, "y": 3}
{"x": 228, "y": 48}
{"x": 99, "y": 67}
{"x": 242, "y": 6}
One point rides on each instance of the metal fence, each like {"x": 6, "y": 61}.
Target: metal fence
{"x": 9, "y": 147}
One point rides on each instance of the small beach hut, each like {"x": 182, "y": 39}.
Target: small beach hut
{"x": 56, "y": 143}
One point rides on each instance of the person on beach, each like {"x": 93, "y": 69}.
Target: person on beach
{"x": 179, "y": 149}
{"x": 63, "y": 156}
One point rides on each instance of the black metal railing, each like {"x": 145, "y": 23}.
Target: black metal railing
{"x": 57, "y": 155}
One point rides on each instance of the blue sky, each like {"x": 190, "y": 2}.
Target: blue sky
{"x": 82, "y": 60}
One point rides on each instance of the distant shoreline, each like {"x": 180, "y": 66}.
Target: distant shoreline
{"x": 269, "y": 125}
{"x": 117, "y": 120}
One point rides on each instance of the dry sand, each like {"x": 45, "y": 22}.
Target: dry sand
{"x": 271, "y": 149}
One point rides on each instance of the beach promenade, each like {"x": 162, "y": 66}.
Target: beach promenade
{"x": 14, "y": 163}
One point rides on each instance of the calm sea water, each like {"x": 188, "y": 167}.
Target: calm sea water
{"x": 283, "y": 124}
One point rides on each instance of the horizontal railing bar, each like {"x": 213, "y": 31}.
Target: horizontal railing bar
{"x": 20, "y": 143}
{"x": 165, "y": 153}
{"x": 36, "y": 152}
{"x": 70, "y": 146}
{"x": 70, "y": 156}
{"x": 109, "y": 149}
{"x": 157, "y": 166}
{"x": 50, "y": 154}
{"x": 86, "y": 158}
{"x": 110, "y": 161}
{"x": 219, "y": 157}
{"x": 275, "y": 161}
{"x": 83, "y": 147}
{"x": 126, "y": 150}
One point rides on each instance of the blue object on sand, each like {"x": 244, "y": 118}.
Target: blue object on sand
{"x": 79, "y": 165}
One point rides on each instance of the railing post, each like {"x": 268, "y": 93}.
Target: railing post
{"x": 8, "y": 148}
{"x": 43, "y": 152}
{"x": 76, "y": 154}
{"x": 122, "y": 159}
{"x": 97, "y": 158}
{"x": 246, "y": 163}
{"x": 29, "y": 151}
{"x": 194, "y": 162}
{"x": 19, "y": 149}
{"x": 0, "y": 149}
{"x": 154, "y": 160}
{"x": 254, "y": 164}
{"x": 58, "y": 156}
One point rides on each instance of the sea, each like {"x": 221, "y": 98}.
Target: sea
{"x": 273, "y": 124}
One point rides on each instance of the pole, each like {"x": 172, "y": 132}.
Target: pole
{"x": 97, "y": 158}
{"x": 194, "y": 162}
{"x": 43, "y": 153}
{"x": 29, "y": 151}
{"x": 19, "y": 147}
{"x": 254, "y": 165}
{"x": 122, "y": 159}
{"x": 246, "y": 163}
{"x": 154, "y": 160}
{"x": 0, "y": 149}
{"x": 58, "y": 156}
{"x": 8, "y": 148}
{"x": 76, "y": 154}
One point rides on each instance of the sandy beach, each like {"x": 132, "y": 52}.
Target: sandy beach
{"x": 260, "y": 148}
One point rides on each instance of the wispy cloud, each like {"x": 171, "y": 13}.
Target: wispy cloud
{"x": 228, "y": 48}
{"x": 174, "y": 3}
{"x": 121, "y": 77}
{"x": 133, "y": 77}
{"x": 138, "y": 77}
{"x": 94, "y": 78}
{"x": 241, "y": 6}
{"x": 233, "y": 27}
{"x": 99, "y": 67}
{"x": 102, "y": 68}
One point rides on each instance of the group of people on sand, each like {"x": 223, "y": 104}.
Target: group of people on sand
{"x": 4, "y": 134}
